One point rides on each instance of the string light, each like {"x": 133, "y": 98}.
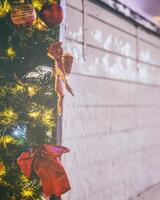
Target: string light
{"x": 8, "y": 117}
{"x": 11, "y": 53}
{"x": 5, "y": 140}
{"x": 45, "y": 116}
{"x": 34, "y": 115}
{"x": 17, "y": 88}
{"x": 48, "y": 119}
{"x": 37, "y": 4}
{"x": 27, "y": 192}
{"x": 5, "y": 7}
{"x": 32, "y": 90}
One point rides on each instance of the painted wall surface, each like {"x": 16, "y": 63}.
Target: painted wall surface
{"x": 112, "y": 125}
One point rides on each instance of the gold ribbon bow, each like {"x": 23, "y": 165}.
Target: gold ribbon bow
{"x": 63, "y": 65}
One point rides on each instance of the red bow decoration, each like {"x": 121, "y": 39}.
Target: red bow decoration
{"x": 44, "y": 163}
{"x": 63, "y": 65}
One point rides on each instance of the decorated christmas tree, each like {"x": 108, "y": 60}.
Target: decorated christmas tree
{"x": 28, "y": 102}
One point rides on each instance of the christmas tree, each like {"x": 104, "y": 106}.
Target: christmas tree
{"x": 27, "y": 104}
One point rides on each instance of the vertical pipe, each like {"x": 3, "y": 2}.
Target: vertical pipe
{"x": 62, "y": 39}
{"x": 84, "y": 4}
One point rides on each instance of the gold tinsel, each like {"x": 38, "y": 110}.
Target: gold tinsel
{"x": 40, "y": 25}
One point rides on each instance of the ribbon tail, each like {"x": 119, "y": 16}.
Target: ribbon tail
{"x": 25, "y": 163}
{"x": 60, "y": 72}
{"x": 69, "y": 89}
{"x": 60, "y": 94}
{"x": 62, "y": 76}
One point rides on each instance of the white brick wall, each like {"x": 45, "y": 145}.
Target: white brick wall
{"x": 112, "y": 123}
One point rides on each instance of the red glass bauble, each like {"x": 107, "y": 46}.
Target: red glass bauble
{"x": 52, "y": 15}
{"x": 23, "y": 14}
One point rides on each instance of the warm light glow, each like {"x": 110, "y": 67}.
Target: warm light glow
{"x": 9, "y": 140}
{"x": 8, "y": 116}
{"x": 48, "y": 119}
{"x": 27, "y": 192}
{"x": 156, "y": 19}
{"x": 5, "y": 140}
{"x": 34, "y": 114}
{"x": 17, "y": 88}
{"x": 37, "y": 4}
{"x": 4, "y": 8}
{"x": 32, "y": 90}
{"x": 11, "y": 53}
{"x": 44, "y": 116}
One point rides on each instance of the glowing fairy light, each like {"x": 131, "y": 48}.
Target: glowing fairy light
{"x": 11, "y": 53}
{"x": 5, "y": 7}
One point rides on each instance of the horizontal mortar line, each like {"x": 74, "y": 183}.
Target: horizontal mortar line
{"x": 149, "y": 64}
{"x": 103, "y": 21}
{"x": 113, "y": 26}
{"x": 146, "y": 149}
{"x": 120, "y": 156}
{"x": 113, "y": 158}
{"x": 108, "y": 133}
{"x": 124, "y": 56}
{"x": 115, "y": 53}
{"x": 111, "y": 52}
{"x": 148, "y": 42}
{"x": 126, "y": 32}
{"x": 134, "y": 129}
{"x": 75, "y": 8}
{"x": 74, "y": 40}
{"x": 116, "y": 80}
{"x": 114, "y": 106}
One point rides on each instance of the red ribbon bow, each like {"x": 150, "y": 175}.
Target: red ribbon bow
{"x": 44, "y": 163}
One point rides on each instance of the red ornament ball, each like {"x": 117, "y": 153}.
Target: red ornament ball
{"x": 23, "y": 14}
{"x": 52, "y": 15}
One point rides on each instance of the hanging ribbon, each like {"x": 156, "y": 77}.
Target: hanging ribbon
{"x": 44, "y": 163}
{"x": 55, "y": 52}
